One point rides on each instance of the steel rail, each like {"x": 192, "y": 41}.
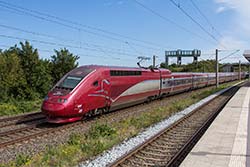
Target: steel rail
{"x": 187, "y": 145}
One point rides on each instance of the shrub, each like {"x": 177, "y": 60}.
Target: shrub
{"x": 22, "y": 159}
{"x": 15, "y": 107}
{"x": 75, "y": 139}
{"x": 101, "y": 130}
{"x": 8, "y": 109}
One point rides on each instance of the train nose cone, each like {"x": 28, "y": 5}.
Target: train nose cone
{"x": 53, "y": 109}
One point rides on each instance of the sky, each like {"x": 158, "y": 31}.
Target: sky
{"x": 116, "y": 32}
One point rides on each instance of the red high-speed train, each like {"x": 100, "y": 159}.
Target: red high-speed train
{"x": 89, "y": 90}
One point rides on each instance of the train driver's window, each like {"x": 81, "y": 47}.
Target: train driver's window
{"x": 95, "y": 83}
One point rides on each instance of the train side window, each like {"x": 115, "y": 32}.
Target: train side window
{"x": 124, "y": 73}
{"x": 95, "y": 83}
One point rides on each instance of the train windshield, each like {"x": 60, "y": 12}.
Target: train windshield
{"x": 72, "y": 79}
{"x": 70, "y": 82}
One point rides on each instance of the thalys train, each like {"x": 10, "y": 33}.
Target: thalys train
{"x": 90, "y": 90}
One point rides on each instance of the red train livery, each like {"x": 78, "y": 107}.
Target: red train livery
{"x": 89, "y": 90}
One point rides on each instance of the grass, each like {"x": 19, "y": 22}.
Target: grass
{"x": 103, "y": 136}
{"x": 17, "y": 107}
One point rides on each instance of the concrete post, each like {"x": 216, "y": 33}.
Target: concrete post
{"x": 239, "y": 70}
{"x": 216, "y": 68}
{"x": 153, "y": 61}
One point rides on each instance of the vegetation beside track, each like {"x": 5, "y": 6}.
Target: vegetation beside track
{"x": 25, "y": 77}
{"x": 201, "y": 66}
{"x": 14, "y": 107}
{"x": 103, "y": 136}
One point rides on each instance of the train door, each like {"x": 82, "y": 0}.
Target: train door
{"x": 195, "y": 81}
{"x": 100, "y": 93}
{"x": 166, "y": 85}
{"x": 161, "y": 83}
{"x": 172, "y": 84}
{"x": 106, "y": 87}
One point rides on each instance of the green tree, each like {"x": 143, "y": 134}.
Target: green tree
{"x": 36, "y": 71}
{"x": 201, "y": 66}
{"x": 44, "y": 79}
{"x": 11, "y": 76}
{"x": 62, "y": 62}
{"x": 23, "y": 75}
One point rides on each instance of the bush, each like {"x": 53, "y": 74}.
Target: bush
{"x": 16, "y": 107}
{"x": 8, "y": 109}
{"x": 25, "y": 76}
{"x": 22, "y": 160}
{"x": 75, "y": 139}
{"x": 101, "y": 130}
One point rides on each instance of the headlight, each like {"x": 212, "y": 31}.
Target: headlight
{"x": 60, "y": 100}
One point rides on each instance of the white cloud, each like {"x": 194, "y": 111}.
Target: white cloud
{"x": 241, "y": 9}
{"x": 221, "y": 9}
{"x": 237, "y": 36}
{"x": 233, "y": 43}
{"x": 238, "y": 5}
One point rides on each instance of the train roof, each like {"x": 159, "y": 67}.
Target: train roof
{"x": 182, "y": 73}
{"x": 119, "y": 68}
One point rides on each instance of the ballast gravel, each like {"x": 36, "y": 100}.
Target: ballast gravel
{"x": 120, "y": 150}
{"x": 39, "y": 145}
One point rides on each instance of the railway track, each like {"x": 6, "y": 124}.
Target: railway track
{"x": 170, "y": 146}
{"x": 40, "y": 128}
{"x": 26, "y": 133}
{"x": 21, "y": 119}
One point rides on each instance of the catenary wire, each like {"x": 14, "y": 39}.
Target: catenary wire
{"x": 63, "y": 45}
{"x": 79, "y": 54}
{"x": 172, "y": 22}
{"x": 196, "y": 22}
{"x": 54, "y": 37}
{"x": 205, "y": 17}
{"x": 68, "y": 23}
{"x": 229, "y": 55}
